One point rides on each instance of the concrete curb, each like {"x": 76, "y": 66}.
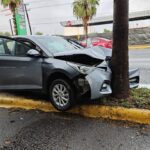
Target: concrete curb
{"x": 135, "y": 47}
{"x": 92, "y": 111}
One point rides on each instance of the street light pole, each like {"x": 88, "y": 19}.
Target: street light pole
{"x": 11, "y": 27}
{"x": 25, "y": 6}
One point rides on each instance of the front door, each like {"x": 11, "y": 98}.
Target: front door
{"x": 17, "y": 70}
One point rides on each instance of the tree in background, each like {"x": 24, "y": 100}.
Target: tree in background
{"x": 5, "y": 33}
{"x": 120, "y": 60}
{"x": 12, "y": 4}
{"x": 106, "y": 31}
{"x": 85, "y": 10}
{"x": 39, "y": 33}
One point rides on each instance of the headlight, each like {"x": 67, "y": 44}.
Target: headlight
{"x": 80, "y": 68}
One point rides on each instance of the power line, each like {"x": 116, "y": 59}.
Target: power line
{"x": 51, "y": 18}
{"x": 4, "y": 10}
{"x": 39, "y": 1}
{"x": 63, "y": 4}
{"x": 46, "y": 23}
{"x": 4, "y": 28}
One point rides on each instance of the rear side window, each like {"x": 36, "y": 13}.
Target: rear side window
{"x": 2, "y": 49}
{"x": 13, "y": 48}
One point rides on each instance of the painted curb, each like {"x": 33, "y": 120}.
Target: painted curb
{"x": 135, "y": 47}
{"x": 92, "y": 111}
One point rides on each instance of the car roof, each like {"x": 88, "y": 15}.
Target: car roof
{"x": 31, "y": 36}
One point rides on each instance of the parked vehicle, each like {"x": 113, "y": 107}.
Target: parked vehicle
{"x": 57, "y": 67}
{"x": 97, "y": 41}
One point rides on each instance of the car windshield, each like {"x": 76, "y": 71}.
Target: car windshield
{"x": 56, "y": 44}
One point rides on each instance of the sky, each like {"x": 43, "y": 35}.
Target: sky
{"x": 45, "y": 15}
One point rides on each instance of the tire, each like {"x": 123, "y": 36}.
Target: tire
{"x": 61, "y": 93}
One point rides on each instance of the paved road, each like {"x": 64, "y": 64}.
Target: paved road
{"x": 141, "y": 59}
{"x": 32, "y": 130}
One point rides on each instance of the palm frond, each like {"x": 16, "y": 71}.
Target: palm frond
{"x": 12, "y": 4}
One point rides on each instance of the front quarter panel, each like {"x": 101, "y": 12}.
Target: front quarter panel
{"x": 96, "y": 80}
{"x": 52, "y": 65}
{"x": 134, "y": 76}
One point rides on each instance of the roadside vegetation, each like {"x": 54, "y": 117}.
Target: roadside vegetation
{"x": 85, "y": 10}
{"x": 5, "y": 33}
{"x": 139, "y": 98}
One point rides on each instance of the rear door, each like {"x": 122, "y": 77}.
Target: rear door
{"x": 17, "y": 70}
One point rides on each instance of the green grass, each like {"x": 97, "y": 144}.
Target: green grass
{"x": 140, "y": 98}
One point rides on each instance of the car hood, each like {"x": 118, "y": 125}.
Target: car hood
{"x": 89, "y": 56}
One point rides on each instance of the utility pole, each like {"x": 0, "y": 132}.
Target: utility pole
{"x": 120, "y": 63}
{"x": 25, "y": 6}
{"x": 11, "y": 27}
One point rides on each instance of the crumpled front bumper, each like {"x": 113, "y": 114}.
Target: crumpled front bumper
{"x": 97, "y": 79}
{"x": 134, "y": 78}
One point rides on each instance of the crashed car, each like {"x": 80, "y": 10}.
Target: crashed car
{"x": 58, "y": 67}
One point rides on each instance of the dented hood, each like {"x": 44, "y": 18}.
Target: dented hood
{"x": 94, "y": 52}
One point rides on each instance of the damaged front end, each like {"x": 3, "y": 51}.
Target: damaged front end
{"x": 100, "y": 81}
{"x": 95, "y": 83}
{"x": 134, "y": 78}
{"x": 94, "y": 70}
{"x": 95, "y": 74}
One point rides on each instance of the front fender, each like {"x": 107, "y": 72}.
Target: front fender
{"x": 134, "y": 78}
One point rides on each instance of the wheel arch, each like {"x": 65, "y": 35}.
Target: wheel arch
{"x": 58, "y": 75}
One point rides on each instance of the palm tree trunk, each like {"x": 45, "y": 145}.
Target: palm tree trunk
{"x": 86, "y": 30}
{"x": 120, "y": 64}
{"x": 14, "y": 22}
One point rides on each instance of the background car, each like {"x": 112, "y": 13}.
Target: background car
{"x": 97, "y": 41}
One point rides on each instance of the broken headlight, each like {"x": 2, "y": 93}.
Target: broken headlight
{"x": 80, "y": 68}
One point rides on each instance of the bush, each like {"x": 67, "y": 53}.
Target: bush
{"x": 140, "y": 98}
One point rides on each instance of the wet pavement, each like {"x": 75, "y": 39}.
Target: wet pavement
{"x": 34, "y": 130}
{"x": 141, "y": 59}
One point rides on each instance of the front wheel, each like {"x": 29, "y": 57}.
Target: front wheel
{"x": 61, "y": 94}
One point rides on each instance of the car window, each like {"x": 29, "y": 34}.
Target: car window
{"x": 75, "y": 44}
{"x": 21, "y": 49}
{"x": 55, "y": 44}
{"x": 13, "y": 48}
{"x": 30, "y": 44}
{"x": 2, "y": 49}
{"x": 10, "y": 45}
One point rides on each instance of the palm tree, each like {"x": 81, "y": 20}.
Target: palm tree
{"x": 12, "y": 4}
{"x": 85, "y": 10}
{"x": 120, "y": 64}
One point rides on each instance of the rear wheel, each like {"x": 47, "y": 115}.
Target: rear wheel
{"x": 61, "y": 94}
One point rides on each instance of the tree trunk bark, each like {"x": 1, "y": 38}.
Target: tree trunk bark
{"x": 86, "y": 30}
{"x": 120, "y": 62}
{"x": 15, "y": 23}
{"x": 85, "y": 26}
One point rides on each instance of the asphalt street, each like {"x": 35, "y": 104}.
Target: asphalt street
{"x": 35, "y": 130}
{"x": 141, "y": 59}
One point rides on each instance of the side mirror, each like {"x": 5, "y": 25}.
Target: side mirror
{"x": 33, "y": 53}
